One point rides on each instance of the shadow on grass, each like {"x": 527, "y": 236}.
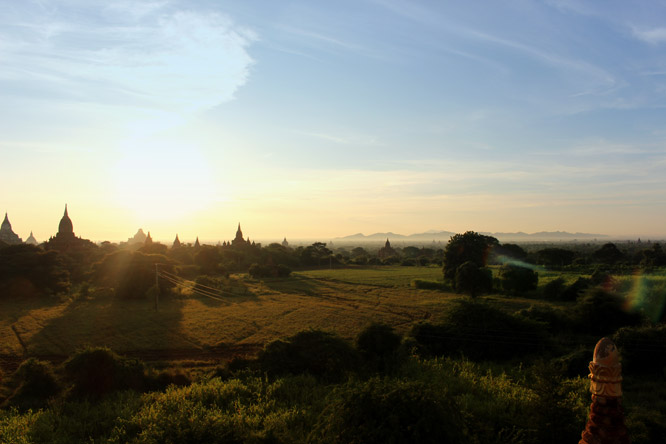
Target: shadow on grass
{"x": 120, "y": 324}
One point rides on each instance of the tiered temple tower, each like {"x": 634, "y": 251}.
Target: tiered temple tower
{"x": 7, "y": 235}
{"x": 238, "y": 240}
{"x": 65, "y": 239}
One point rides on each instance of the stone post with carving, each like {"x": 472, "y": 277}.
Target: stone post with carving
{"x": 605, "y": 423}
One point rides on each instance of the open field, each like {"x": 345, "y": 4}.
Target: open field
{"x": 190, "y": 327}
{"x": 193, "y": 327}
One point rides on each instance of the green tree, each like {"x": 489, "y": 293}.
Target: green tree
{"x": 472, "y": 279}
{"x": 208, "y": 259}
{"x": 25, "y": 269}
{"x": 608, "y": 254}
{"x": 467, "y": 247}
{"x": 555, "y": 257}
{"x": 516, "y": 279}
{"x": 503, "y": 252}
{"x": 315, "y": 253}
{"x": 131, "y": 274}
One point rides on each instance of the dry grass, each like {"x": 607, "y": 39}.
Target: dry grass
{"x": 343, "y": 301}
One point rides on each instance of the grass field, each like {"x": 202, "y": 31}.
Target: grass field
{"x": 187, "y": 326}
{"x": 193, "y": 327}
{"x": 379, "y": 276}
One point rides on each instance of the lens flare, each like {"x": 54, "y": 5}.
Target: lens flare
{"x": 648, "y": 295}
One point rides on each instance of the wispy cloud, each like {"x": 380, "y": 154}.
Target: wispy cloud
{"x": 342, "y": 138}
{"x": 653, "y": 36}
{"x": 150, "y": 55}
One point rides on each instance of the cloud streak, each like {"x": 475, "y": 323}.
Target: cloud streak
{"x": 153, "y": 57}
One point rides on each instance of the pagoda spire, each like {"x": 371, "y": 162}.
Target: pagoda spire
{"x": 605, "y": 423}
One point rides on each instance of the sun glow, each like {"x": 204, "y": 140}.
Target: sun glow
{"x": 161, "y": 184}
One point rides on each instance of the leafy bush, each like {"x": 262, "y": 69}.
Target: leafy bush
{"x": 161, "y": 380}
{"x": 555, "y": 318}
{"x": 646, "y": 425}
{"x": 388, "y": 411}
{"x": 422, "y": 284}
{"x": 26, "y": 267}
{"x": 321, "y": 354}
{"x": 36, "y": 383}
{"x": 554, "y": 289}
{"x": 260, "y": 271}
{"x": 574, "y": 290}
{"x": 472, "y": 279}
{"x": 132, "y": 275}
{"x": 601, "y": 313}
{"x": 574, "y": 364}
{"x": 97, "y": 371}
{"x": 481, "y": 332}
{"x": 517, "y": 280}
{"x": 378, "y": 344}
{"x": 561, "y": 405}
{"x": 267, "y": 271}
{"x": 283, "y": 271}
{"x": 643, "y": 349}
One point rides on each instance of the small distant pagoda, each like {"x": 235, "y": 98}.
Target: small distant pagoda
{"x": 238, "y": 240}
{"x": 285, "y": 244}
{"x": 138, "y": 238}
{"x": 31, "y": 240}
{"x": 7, "y": 235}
{"x": 386, "y": 251}
{"x": 176, "y": 242}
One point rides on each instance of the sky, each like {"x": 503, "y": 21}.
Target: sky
{"x": 317, "y": 119}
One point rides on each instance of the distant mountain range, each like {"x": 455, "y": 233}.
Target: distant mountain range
{"x": 444, "y": 236}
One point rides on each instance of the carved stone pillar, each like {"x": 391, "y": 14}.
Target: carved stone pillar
{"x": 605, "y": 423}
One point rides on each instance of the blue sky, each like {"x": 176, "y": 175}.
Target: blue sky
{"x": 320, "y": 119}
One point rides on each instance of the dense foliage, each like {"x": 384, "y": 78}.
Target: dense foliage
{"x": 507, "y": 367}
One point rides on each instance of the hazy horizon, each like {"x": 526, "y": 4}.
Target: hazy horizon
{"x": 302, "y": 118}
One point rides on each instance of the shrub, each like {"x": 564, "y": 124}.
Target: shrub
{"x": 408, "y": 262}
{"x": 480, "y": 332}
{"x": 472, "y": 279}
{"x": 206, "y": 283}
{"x": 574, "y": 364}
{"x": 516, "y": 280}
{"x": 378, "y": 344}
{"x": 97, "y": 371}
{"x": 132, "y": 275}
{"x": 388, "y": 411}
{"x": 574, "y": 290}
{"x": 643, "y": 349}
{"x": 188, "y": 272}
{"x": 560, "y": 406}
{"x": 283, "y": 271}
{"x": 555, "y": 318}
{"x": 316, "y": 352}
{"x": 267, "y": 271}
{"x": 422, "y": 284}
{"x": 554, "y": 289}
{"x": 155, "y": 381}
{"x": 600, "y": 312}
{"x": 603, "y": 279}
{"x": 36, "y": 383}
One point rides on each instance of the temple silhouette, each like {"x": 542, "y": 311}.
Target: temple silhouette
{"x": 65, "y": 239}
{"x": 7, "y": 235}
